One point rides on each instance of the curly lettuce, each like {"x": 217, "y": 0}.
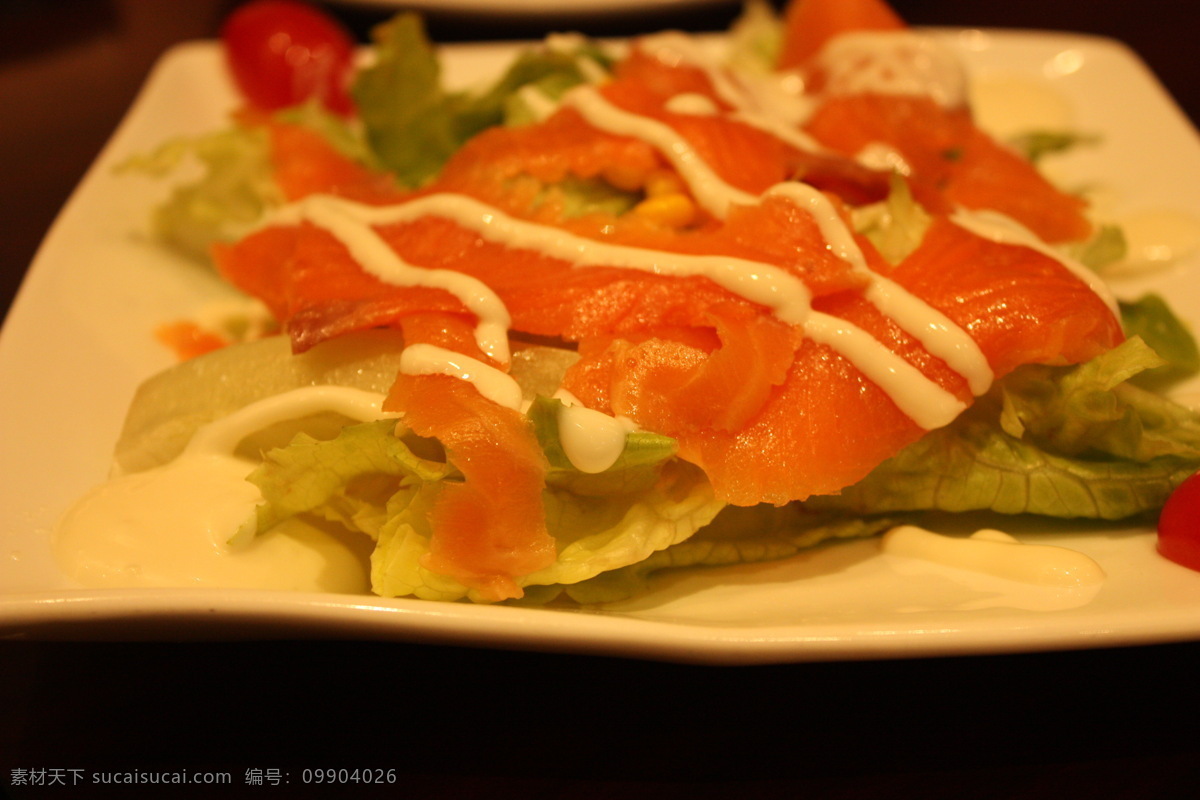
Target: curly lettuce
{"x": 1064, "y": 442}
{"x": 371, "y": 479}
{"x": 414, "y": 124}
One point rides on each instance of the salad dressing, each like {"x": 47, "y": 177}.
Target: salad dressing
{"x": 786, "y": 295}
{"x": 923, "y": 401}
{"x": 428, "y": 359}
{"x": 997, "y": 554}
{"x": 591, "y": 439}
{"x": 191, "y": 522}
{"x": 1009, "y": 107}
{"x": 712, "y": 194}
{"x": 1157, "y": 239}
{"x": 883, "y": 158}
{"x": 698, "y": 105}
{"x": 892, "y": 62}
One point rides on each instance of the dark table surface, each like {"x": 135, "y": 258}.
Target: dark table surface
{"x": 465, "y": 723}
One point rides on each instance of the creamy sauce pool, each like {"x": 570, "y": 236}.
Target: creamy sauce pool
{"x": 995, "y": 553}
{"x": 989, "y": 570}
{"x": 191, "y": 522}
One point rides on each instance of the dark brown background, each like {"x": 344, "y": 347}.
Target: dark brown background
{"x": 464, "y": 723}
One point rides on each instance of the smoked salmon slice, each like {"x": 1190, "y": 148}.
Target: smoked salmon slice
{"x": 810, "y": 24}
{"x": 491, "y": 526}
{"x": 952, "y": 162}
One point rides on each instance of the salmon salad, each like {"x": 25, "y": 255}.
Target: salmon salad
{"x": 668, "y": 303}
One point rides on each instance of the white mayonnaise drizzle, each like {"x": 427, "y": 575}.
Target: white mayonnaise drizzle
{"x": 428, "y": 359}
{"x": 222, "y": 437}
{"x": 699, "y": 105}
{"x": 936, "y": 332}
{"x": 1155, "y": 239}
{"x": 191, "y": 521}
{"x": 759, "y": 282}
{"x": 923, "y": 401}
{"x": 997, "y": 227}
{"x": 883, "y": 158}
{"x": 712, "y": 193}
{"x": 997, "y": 554}
{"x": 777, "y": 289}
{"x": 892, "y": 62}
{"x": 346, "y": 221}
{"x": 764, "y": 100}
{"x": 591, "y": 439}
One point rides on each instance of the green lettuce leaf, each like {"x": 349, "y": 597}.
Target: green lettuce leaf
{"x": 974, "y": 466}
{"x": 371, "y": 480}
{"x": 1092, "y": 411}
{"x": 636, "y": 469}
{"x": 1054, "y": 441}
{"x": 235, "y": 185}
{"x": 1038, "y": 144}
{"x": 1151, "y": 319}
{"x": 594, "y": 534}
{"x": 413, "y": 124}
{"x": 737, "y": 536}
{"x": 353, "y": 478}
{"x": 895, "y": 226}
{"x": 1107, "y": 246}
{"x": 756, "y": 37}
{"x": 233, "y": 190}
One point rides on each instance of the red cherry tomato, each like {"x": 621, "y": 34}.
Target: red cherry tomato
{"x": 283, "y": 52}
{"x": 1179, "y": 525}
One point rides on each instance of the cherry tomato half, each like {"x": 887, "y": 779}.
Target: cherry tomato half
{"x": 283, "y": 52}
{"x": 1179, "y": 525}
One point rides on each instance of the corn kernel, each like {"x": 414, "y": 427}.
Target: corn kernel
{"x": 672, "y": 210}
{"x": 661, "y": 182}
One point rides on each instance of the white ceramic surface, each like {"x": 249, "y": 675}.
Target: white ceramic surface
{"x": 555, "y": 9}
{"x": 78, "y": 341}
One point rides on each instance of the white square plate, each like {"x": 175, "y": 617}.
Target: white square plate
{"x": 78, "y": 341}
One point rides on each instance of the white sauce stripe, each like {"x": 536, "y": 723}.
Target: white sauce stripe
{"x": 428, "y": 359}
{"x": 348, "y": 223}
{"x": 936, "y": 332}
{"x": 712, "y": 193}
{"x": 771, "y": 286}
{"x": 837, "y": 235}
{"x": 591, "y": 439}
{"x": 893, "y": 62}
{"x": 933, "y": 329}
{"x": 923, "y": 401}
{"x": 222, "y": 437}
